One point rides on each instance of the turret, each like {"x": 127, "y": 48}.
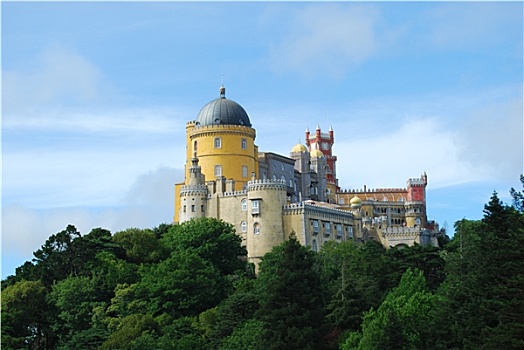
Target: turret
{"x": 193, "y": 196}
{"x": 266, "y": 201}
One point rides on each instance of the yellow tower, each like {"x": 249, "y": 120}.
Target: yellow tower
{"x": 223, "y": 140}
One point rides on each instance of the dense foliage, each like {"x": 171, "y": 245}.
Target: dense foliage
{"x": 189, "y": 286}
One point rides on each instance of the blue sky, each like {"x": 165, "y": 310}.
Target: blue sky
{"x": 96, "y": 96}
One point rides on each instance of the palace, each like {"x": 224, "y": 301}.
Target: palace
{"x": 268, "y": 196}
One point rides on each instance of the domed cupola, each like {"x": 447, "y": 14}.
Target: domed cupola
{"x": 222, "y": 111}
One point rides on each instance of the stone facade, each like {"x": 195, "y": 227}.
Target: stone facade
{"x": 267, "y": 196}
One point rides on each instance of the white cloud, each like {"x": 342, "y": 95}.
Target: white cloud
{"x": 327, "y": 39}
{"x": 58, "y": 76}
{"x": 143, "y": 120}
{"x": 147, "y": 203}
{"x": 389, "y": 160}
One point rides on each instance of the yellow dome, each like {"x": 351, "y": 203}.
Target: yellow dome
{"x": 299, "y": 148}
{"x": 355, "y": 201}
{"x": 317, "y": 154}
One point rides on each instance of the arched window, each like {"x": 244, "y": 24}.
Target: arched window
{"x": 195, "y": 146}
{"x": 218, "y": 142}
{"x": 244, "y": 204}
{"x": 314, "y": 245}
{"x": 244, "y": 144}
{"x": 218, "y": 170}
{"x": 283, "y": 179}
{"x": 243, "y": 227}
{"x": 244, "y": 171}
{"x": 341, "y": 201}
{"x": 256, "y": 228}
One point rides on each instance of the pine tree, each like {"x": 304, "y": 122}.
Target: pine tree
{"x": 290, "y": 298}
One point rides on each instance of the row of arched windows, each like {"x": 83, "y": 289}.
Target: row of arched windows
{"x": 256, "y": 227}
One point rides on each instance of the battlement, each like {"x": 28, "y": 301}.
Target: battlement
{"x": 266, "y": 184}
{"x": 325, "y": 208}
{"x": 235, "y": 193}
{"x": 415, "y": 182}
{"x": 402, "y": 231}
{"x": 323, "y": 135}
{"x": 374, "y": 190}
{"x": 198, "y": 190}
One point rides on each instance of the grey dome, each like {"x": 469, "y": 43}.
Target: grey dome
{"x": 222, "y": 112}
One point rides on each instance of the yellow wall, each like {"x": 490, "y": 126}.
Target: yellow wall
{"x": 230, "y": 155}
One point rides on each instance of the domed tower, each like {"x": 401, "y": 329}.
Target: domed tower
{"x": 224, "y": 141}
{"x": 301, "y": 156}
{"x": 356, "y": 205}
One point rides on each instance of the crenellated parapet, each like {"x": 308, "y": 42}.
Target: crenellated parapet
{"x": 402, "y": 231}
{"x": 194, "y": 190}
{"x": 234, "y": 193}
{"x": 373, "y": 190}
{"x": 293, "y": 208}
{"x": 266, "y": 184}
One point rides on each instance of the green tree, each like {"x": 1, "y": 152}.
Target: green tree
{"x": 74, "y": 299}
{"x": 133, "y": 328}
{"x": 245, "y": 337}
{"x": 405, "y": 320}
{"x": 182, "y": 285}
{"x": 485, "y": 280}
{"x": 239, "y": 307}
{"x": 291, "y": 308}
{"x": 140, "y": 245}
{"x": 24, "y": 321}
{"x": 213, "y": 240}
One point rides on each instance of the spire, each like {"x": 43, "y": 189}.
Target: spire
{"x": 318, "y": 126}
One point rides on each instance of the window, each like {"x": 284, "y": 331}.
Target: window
{"x": 195, "y": 146}
{"x": 282, "y": 167}
{"x": 256, "y": 228}
{"x": 244, "y": 204}
{"x": 339, "y": 230}
{"x": 315, "y": 226}
{"x": 255, "y": 209}
{"x": 314, "y": 245}
{"x": 327, "y": 228}
{"x": 184, "y": 208}
{"x": 202, "y": 208}
{"x": 243, "y": 227}
{"x": 283, "y": 179}
{"x": 218, "y": 170}
{"x": 350, "y": 231}
{"x": 218, "y": 142}
{"x": 244, "y": 144}
{"x": 244, "y": 171}
{"x": 192, "y": 208}
{"x": 341, "y": 201}
{"x": 291, "y": 183}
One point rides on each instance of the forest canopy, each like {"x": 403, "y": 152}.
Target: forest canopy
{"x": 189, "y": 286}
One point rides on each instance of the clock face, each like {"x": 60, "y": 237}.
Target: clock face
{"x": 324, "y": 145}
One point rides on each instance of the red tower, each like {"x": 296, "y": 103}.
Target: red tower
{"x": 324, "y": 142}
